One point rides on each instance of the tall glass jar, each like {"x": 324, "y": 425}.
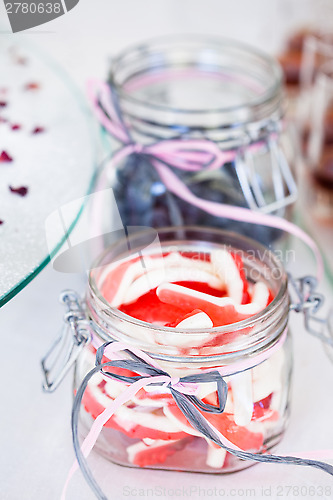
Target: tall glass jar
{"x": 203, "y": 88}
{"x": 149, "y": 430}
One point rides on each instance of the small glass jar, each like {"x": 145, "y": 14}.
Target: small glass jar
{"x": 203, "y": 88}
{"x": 149, "y": 430}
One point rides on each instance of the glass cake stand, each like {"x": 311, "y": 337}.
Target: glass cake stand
{"x": 48, "y": 158}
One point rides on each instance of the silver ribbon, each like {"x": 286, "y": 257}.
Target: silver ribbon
{"x": 187, "y": 403}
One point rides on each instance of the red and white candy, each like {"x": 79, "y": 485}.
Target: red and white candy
{"x": 194, "y": 295}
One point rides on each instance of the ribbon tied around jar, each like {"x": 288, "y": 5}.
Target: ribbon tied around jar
{"x": 194, "y": 155}
{"x": 183, "y": 391}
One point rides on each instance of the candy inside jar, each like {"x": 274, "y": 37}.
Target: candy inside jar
{"x": 195, "y": 300}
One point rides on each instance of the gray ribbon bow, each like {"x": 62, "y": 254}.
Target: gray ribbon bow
{"x": 187, "y": 403}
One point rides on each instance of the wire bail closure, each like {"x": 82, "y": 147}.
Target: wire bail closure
{"x": 305, "y": 299}
{"x": 283, "y": 182}
{"x": 64, "y": 351}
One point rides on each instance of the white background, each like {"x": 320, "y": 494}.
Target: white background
{"x": 35, "y": 439}
{"x": 83, "y": 39}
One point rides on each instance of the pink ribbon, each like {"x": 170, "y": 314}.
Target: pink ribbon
{"x": 188, "y": 155}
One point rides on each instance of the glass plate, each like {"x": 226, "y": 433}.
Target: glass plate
{"x": 48, "y": 131}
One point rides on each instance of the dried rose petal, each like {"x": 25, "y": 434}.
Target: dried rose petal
{"x": 15, "y": 126}
{"x": 17, "y": 58}
{"x": 21, "y": 60}
{"x": 38, "y": 130}
{"x": 3, "y": 104}
{"x": 22, "y": 191}
{"x": 1, "y": 222}
{"x": 5, "y": 158}
{"x": 3, "y": 120}
{"x": 32, "y": 86}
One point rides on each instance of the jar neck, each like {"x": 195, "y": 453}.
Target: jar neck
{"x": 254, "y": 338}
{"x": 146, "y": 127}
{"x": 197, "y": 87}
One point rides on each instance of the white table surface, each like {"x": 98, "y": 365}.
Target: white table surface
{"x": 35, "y": 439}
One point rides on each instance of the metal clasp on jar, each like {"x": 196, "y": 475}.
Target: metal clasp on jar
{"x": 283, "y": 183}
{"x": 305, "y": 299}
{"x": 64, "y": 351}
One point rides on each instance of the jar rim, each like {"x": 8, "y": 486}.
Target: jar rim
{"x": 263, "y": 315}
{"x": 219, "y": 43}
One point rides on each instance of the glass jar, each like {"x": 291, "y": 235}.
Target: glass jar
{"x": 149, "y": 430}
{"x": 315, "y": 172}
{"x": 203, "y": 88}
